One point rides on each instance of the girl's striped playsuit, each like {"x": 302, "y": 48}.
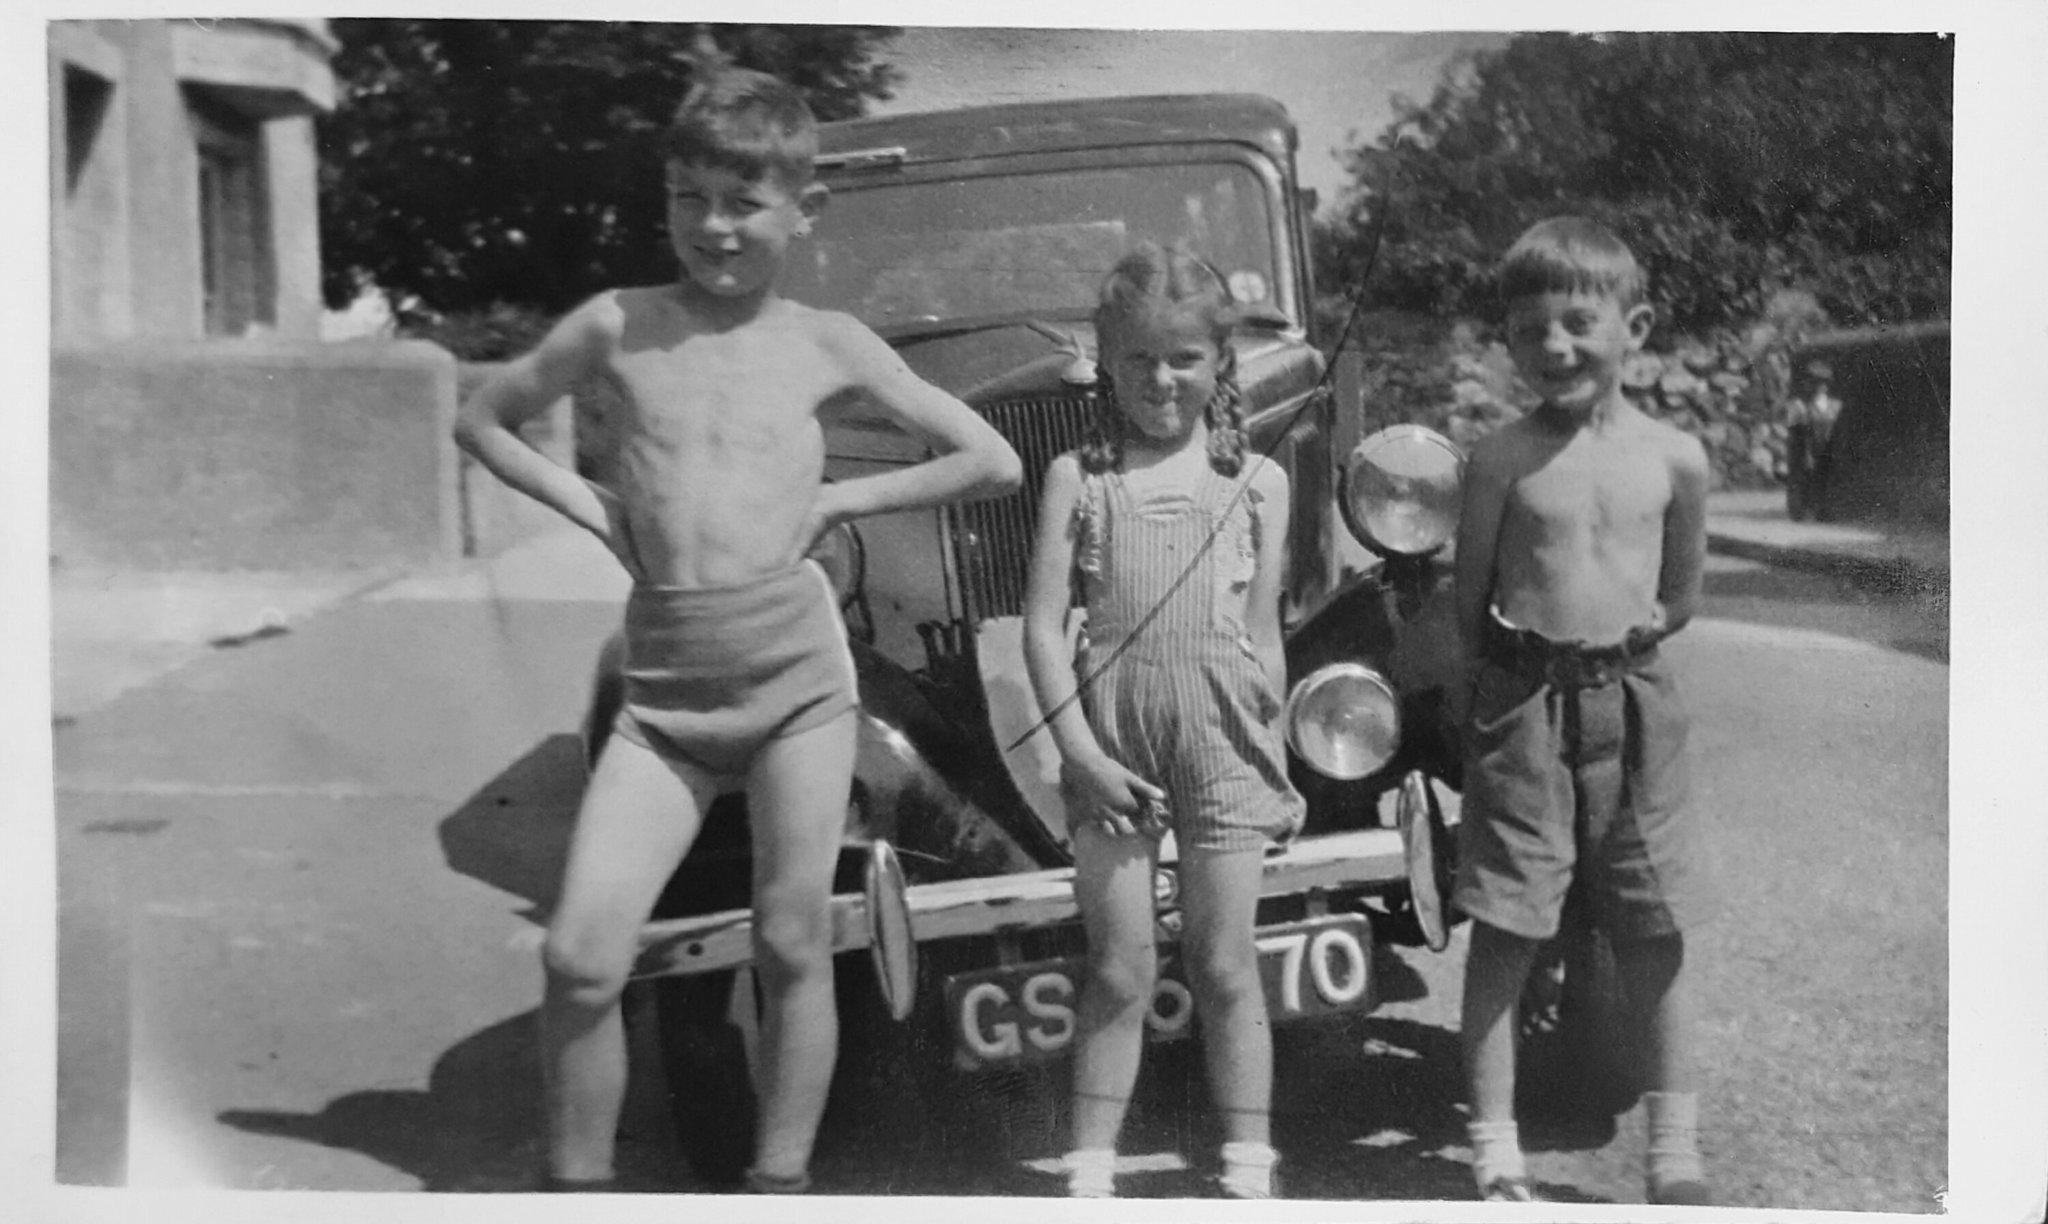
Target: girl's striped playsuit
{"x": 1186, "y": 704}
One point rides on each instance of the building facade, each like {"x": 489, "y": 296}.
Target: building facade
{"x": 183, "y": 178}
{"x": 197, "y": 419}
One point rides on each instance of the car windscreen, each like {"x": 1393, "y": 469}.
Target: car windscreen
{"x": 1020, "y": 243}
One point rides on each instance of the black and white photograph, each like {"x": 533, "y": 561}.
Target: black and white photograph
{"x": 1349, "y": 611}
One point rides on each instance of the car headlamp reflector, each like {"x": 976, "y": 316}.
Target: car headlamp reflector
{"x": 1401, "y": 490}
{"x": 1344, "y": 720}
{"x": 844, "y": 558}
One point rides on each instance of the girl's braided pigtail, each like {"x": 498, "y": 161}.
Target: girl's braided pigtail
{"x": 1226, "y": 419}
{"x": 1102, "y": 450}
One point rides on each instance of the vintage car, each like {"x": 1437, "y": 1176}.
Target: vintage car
{"x": 974, "y": 241}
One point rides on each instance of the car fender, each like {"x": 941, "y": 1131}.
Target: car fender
{"x": 1398, "y": 619}
{"x": 916, "y": 786}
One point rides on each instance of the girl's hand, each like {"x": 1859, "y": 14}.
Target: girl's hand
{"x": 1275, "y": 703}
{"x": 1101, "y": 792}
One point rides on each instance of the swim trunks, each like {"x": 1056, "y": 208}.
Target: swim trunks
{"x": 713, "y": 675}
{"x": 1575, "y": 773}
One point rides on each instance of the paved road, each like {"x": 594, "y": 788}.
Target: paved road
{"x": 304, "y": 873}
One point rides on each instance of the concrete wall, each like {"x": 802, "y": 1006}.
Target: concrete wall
{"x": 255, "y": 455}
{"x": 494, "y": 517}
{"x": 170, "y": 451}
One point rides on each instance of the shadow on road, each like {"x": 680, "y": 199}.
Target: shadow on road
{"x": 1916, "y": 624}
{"x": 1366, "y": 1107}
{"x": 477, "y": 1126}
{"x": 1391, "y": 1126}
{"x": 474, "y": 1128}
{"x": 513, "y": 834}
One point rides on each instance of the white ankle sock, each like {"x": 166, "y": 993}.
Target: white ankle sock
{"x": 1248, "y": 1169}
{"x": 1496, "y": 1152}
{"x": 1674, "y": 1152}
{"x": 1091, "y": 1173}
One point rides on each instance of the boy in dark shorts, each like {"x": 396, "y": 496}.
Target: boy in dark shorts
{"x": 737, "y": 671}
{"x": 1580, "y": 548}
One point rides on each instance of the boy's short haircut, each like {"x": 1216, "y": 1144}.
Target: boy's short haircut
{"x": 1571, "y": 255}
{"x": 747, "y": 122}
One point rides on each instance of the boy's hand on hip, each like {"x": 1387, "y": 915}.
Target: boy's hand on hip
{"x": 1104, "y": 793}
{"x": 825, "y": 514}
{"x": 616, "y": 535}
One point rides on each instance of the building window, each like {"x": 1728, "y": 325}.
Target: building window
{"x": 234, "y": 231}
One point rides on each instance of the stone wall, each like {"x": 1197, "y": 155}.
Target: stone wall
{"x": 495, "y": 517}
{"x": 1728, "y": 390}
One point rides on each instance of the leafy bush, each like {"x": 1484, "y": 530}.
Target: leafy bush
{"x": 1735, "y": 166}
{"x": 1728, "y": 389}
{"x": 498, "y": 332}
{"x": 474, "y": 161}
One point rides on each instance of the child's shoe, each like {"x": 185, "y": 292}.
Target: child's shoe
{"x": 1091, "y": 1173}
{"x": 1675, "y": 1176}
{"x": 1510, "y": 1190}
{"x": 1497, "y": 1166}
{"x": 770, "y": 1183}
{"x": 1248, "y": 1171}
{"x": 550, "y": 1184}
{"x": 1680, "y": 1192}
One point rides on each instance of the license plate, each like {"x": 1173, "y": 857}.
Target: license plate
{"x": 1025, "y": 1013}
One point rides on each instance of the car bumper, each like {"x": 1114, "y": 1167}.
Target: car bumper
{"x": 993, "y": 905}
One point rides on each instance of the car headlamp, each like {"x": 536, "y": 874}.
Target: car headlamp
{"x": 1344, "y": 720}
{"x": 1401, "y": 490}
{"x": 844, "y": 558}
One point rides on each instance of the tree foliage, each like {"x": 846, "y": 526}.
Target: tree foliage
{"x": 1735, "y": 165}
{"x": 478, "y": 162}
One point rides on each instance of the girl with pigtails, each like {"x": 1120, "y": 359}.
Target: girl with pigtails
{"x": 1165, "y": 715}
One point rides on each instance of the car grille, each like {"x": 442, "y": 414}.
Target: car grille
{"x": 992, "y": 540}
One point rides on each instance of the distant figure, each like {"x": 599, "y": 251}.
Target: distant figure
{"x": 1810, "y": 425}
{"x": 1580, "y": 549}
{"x": 738, "y": 673}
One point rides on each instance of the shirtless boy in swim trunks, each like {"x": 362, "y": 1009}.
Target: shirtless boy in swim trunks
{"x": 1580, "y": 548}
{"x": 737, "y": 670}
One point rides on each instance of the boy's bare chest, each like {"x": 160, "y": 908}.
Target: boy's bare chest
{"x": 723, "y": 391}
{"x": 1602, "y": 487}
